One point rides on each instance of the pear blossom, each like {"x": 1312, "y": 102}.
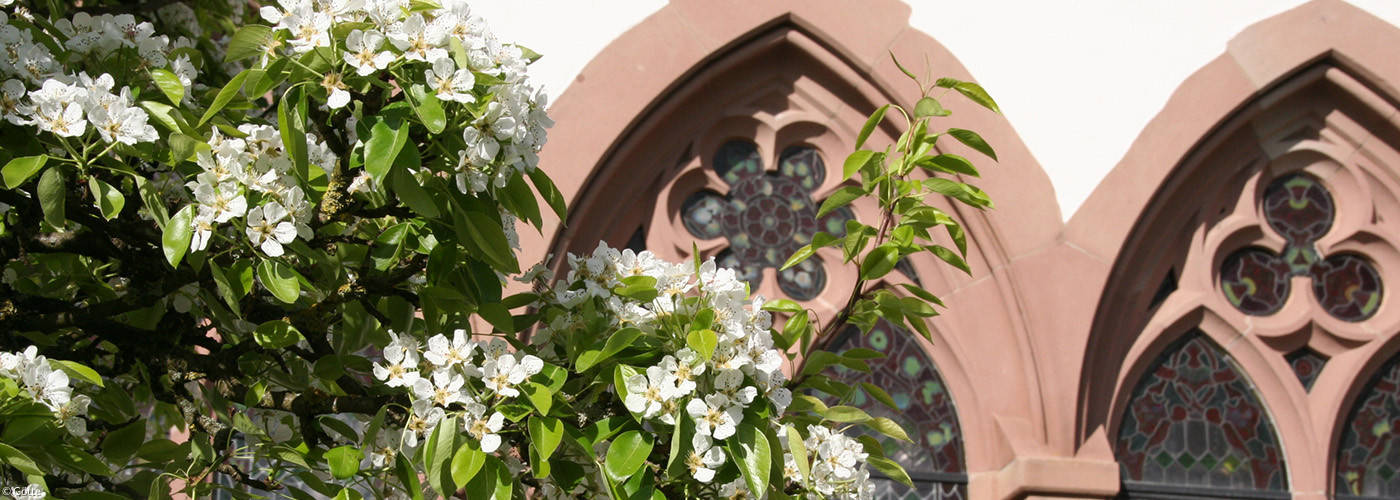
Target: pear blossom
{"x": 401, "y": 369}
{"x": 268, "y": 230}
{"x": 714, "y": 416}
{"x": 362, "y": 52}
{"x": 482, "y": 427}
{"x": 647, "y": 392}
{"x": 450, "y": 83}
{"x": 504, "y": 373}
{"x": 704, "y": 458}
{"x": 446, "y": 354}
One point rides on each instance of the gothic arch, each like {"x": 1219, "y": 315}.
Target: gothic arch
{"x": 1304, "y": 92}
{"x": 641, "y": 120}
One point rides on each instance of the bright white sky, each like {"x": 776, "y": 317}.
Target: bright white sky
{"x": 1078, "y": 80}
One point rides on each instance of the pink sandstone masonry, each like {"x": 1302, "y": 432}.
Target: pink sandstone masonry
{"x": 1043, "y": 345}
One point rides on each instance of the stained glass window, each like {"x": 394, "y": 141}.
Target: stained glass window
{"x": 1368, "y": 456}
{"x": 1195, "y": 428}
{"x": 1255, "y": 280}
{"x": 1347, "y": 286}
{"x": 1307, "y": 365}
{"x": 1300, "y": 209}
{"x": 925, "y": 410}
{"x": 766, "y": 216}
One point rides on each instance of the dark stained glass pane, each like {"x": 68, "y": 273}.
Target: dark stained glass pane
{"x": 1299, "y": 208}
{"x": 804, "y": 165}
{"x": 701, "y": 214}
{"x": 1255, "y": 280}
{"x": 805, "y": 280}
{"x": 1195, "y": 421}
{"x": 1368, "y": 458}
{"x": 1307, "y": 365}
{"x": 923, "y": 406}
{"x": 1347, "y": 286}
{"x": 736, "y": 160}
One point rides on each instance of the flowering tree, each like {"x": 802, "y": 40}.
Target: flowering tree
{"x": 272, "y": 231}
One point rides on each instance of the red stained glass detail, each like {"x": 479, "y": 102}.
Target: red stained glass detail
{"x": 1195, "y": 421}
{"x": 1307, "y": 365}
{"x": 1255, "y": 280}
{"x": 1347, "y": 286}
{"x": 1299, "y": 208}
{"x": 1368, "y": 456}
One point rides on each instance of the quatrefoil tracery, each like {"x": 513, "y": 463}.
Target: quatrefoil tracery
{"x": 766, "y": 216}
{"x": 1257, "y": 281}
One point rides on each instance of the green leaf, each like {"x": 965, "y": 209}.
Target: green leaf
{"x": 344, "y": 461}
{"x": 276, "y": 334}
{"x": 889, "y": 428}
{"x": 14, "y": 458}
{"x": 487, "y": 232}
{"x": 498, "y": 316}
{"x": 545, "y": 435}
{"x": 962, "y": 192}
{"x": 751, "y": 451}
{"x": 437, "y": 455}
{"x": 53, "y": 191}
{"x": 280, "y": 279}
{"x": 412, "y": 193}
{"x": 615, "y": 344}
{"x": 182, "y": 147}
{"x": 798, "y": 448}
{"x": 947, "y": 83}
{"x": 428, "y": 107}
{"x": 96, "y": 495}
{"x": 248, "y": 41}
{"x": 800, "y": 255}
{"x": 975, "y": 93}
{"x": 782, "y": 305}
{"x": 846, "y": 414}
{"x": 818, "y": 361}
{"x": 78, "y": 370}
{"x": 550, "y": 193}
{"x": 170, "y": 85}
{"x": 879, "y": 395}
{"x": 890, "y": 469}
{"x": 121, "y": 444}
{"x": 947, "y": 255}
{"x": 879, "y": 262}
{"x": 19, "y": 170}
{"x": 949, "y": 163}
{"x": 227, "y": 93}
{"x": 408, "y": 476}
{"x": 466, "y": 463}
{"x": 638, "y": 288}
{"x": 869, "y": 127}
{"x": 627, "y": 454}
{"x": 929, "y": 106}
{"x": 175, "y": 239}
{"x": 914, "y": 307}
{"x": 291, "y": 122}
{"x": 840, "y": 198}
{"x": 901, "y": 67}
{"x": 540, "y": 396}
{"x": 155, "y": 205}
{"x": 386, "y": 138}
{"x": 972, "y": 140}
{"x": 109, "y": 200}
{"x": 854, "y": 162}
{"x": 79, "y": 460}
{"x": 703, "y": 342}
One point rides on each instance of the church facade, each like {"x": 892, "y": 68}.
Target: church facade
{"x": 1214, "y": 322}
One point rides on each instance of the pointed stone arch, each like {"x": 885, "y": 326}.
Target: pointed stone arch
{"x": 638, "y": 129}
{"x": 1306, "y": 92}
